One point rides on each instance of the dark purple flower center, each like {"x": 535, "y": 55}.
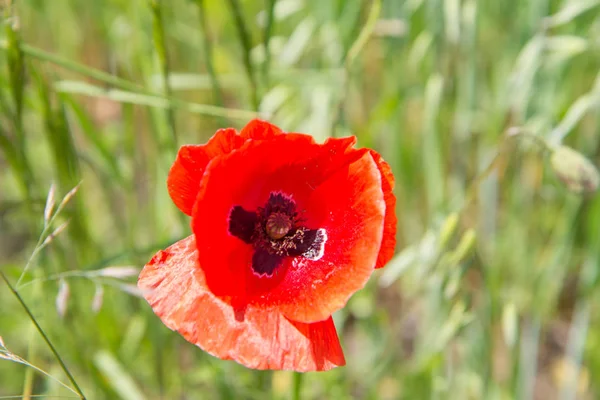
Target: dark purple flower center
{"x": 276, "y": 232}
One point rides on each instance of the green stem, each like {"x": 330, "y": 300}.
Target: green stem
{"x": 16, "y": 79}
{"x": 244, "y": 37}
{"x": 208, "y": 55}
{"x": 17, "y": 159}
{"x": 146, "y": 95}
{"x": 16, "y": 69}
{"x": 83, "y": 70}
{"x": 268, "y": 32}
{"x": 46, "y": 339}
{"x": 30, "y": 373}
{"x": 365, "y": 33}
{"x": 528, "y": 355}
{"x": 297, "y": 388}
{"x": 505, "y": 146}
{"x": 351, "y": 55}
{"x": 208, "y": 52}
{"x": 163, "y": 57}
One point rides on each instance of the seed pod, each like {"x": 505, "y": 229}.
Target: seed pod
{"x": 577, "y": 173}
{"x": 62, "y": 298}
{"x": 98, "y": 299}
{"x": 50, "y": 200}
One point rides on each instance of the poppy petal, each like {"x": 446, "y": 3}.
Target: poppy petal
{"x": 388, "y": 243}
{"x": 237, "y": 179}
{"x": 185, "y": 174}
{"x": 260, "y": 338}
{"x": 334, "y": 187}
{"x": 259, "y": 129}
{"x": 290, "y": 163}
{"x": 350, "y": 208}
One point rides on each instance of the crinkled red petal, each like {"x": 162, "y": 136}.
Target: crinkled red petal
{"x": 260, "y": 338}
{"x": 388, "y": 243}
{"x": 350, "y": 207}
{"x": 260, "y": 130}
{"x": 335, "y": 187}
{"x": 184, "y": 178}
{"x": 187, "y": 170}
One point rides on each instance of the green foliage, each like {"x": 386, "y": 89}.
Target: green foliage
{"x": 487, "y": 112}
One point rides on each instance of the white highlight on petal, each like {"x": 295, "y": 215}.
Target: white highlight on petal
{"x": 317, "y": 249}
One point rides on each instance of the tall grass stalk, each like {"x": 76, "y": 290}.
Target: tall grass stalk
{"x": 246, "y": 43}
{"x": 44, "y": 336}
{"x": 132, "y": 92}
{"x": 268, "y": 33}
{"x": 160, "y": 45}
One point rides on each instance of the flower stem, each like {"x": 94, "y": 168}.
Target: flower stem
{"x": 505, "y": 146}
{"x": 297, "y": 389}
{"x": 46, "y": 339}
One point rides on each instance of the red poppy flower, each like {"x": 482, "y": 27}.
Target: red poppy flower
{"x": 285, "y": 230}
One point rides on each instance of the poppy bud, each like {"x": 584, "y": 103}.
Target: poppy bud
{"x": 577, "y": 173}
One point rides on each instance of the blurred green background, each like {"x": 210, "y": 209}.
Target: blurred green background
{"x": 494, "y": 292}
